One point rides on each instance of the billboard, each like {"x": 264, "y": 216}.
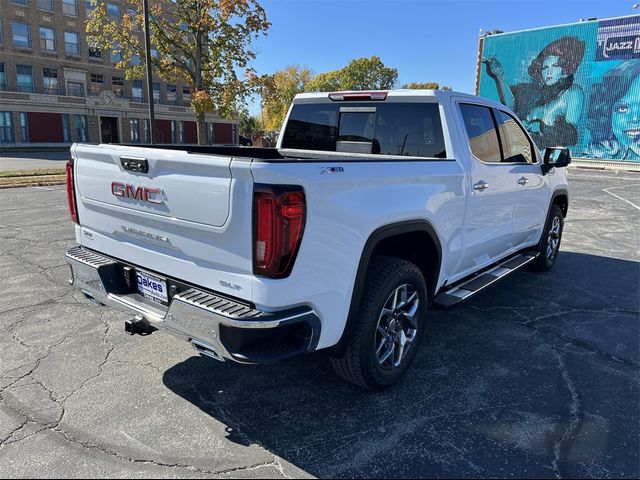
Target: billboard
{"x": 574, "y": 85}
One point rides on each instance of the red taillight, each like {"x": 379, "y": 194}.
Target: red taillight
{"x": 279, "y": 216}
{"x": 71, "y": 194}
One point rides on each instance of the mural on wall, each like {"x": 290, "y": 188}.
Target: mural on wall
{"x": 577, "y": 85}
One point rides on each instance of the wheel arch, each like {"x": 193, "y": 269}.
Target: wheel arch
{"x": 561, "y": 198}
{"x": 387, "y": 240}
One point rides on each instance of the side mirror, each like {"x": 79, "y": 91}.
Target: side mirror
{"x": 556, "y": 157}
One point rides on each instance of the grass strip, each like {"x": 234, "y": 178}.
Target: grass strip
{"x": 32, "y": 181}
{"x": 33, "y": 172}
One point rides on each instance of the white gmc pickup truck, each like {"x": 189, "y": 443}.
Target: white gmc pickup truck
{"x": 373, "y": 207}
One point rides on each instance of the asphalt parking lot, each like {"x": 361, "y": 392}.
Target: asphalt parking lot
{"x": 537, "y": 377}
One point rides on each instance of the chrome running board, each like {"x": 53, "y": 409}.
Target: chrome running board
{"x": 469, "y": 286}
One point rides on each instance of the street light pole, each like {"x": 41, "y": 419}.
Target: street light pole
{"x": 147, "y": 52}
{"x": 634, "y": 7}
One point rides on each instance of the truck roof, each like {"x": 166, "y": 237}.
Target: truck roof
{"x": 405, "y": 93}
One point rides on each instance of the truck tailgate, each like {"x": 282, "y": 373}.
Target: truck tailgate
{"x": 168, "y": 211}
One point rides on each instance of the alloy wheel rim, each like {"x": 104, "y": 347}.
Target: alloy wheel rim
{"x": 553, "y": 239}
{"x": 397, "y": 326}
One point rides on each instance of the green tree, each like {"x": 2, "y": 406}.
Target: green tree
{"x": 248, "y": 123}
{"x": 203, "y": 43}
{"x": 359, "y": 74}
{"x": 278, "y": 91}
{"x": 425, "y": 86}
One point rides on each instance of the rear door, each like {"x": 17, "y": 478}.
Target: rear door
{"x": 179, "y": 214}
{"x": 488, "y": 230}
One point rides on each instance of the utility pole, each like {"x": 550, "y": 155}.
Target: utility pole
{"x": 147, "y": 50}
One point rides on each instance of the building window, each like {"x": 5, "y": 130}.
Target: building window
{"x": 24, "y": 127}
{"x": 6, "y": 128}
{"x": 136, "y": 91}
{"x": 134, "y": 18}
{"x": 21, "y": 36}
{"x": 19, "y": 2}
{"x": 71, "y": 43}
{"x": 135, "y": 59}
{"x": 117, "y": 86}
{"x": 134, "y": 125}
{"x": 70, "y": 7}
{"x": 24, "y": 76}
{"x": 172, "y": 94}
{"x": 50, "y": 81}
{"x": 113, "y": 12}
{"x": 75, "y": 89}
{"x": 156, "y": 92}
{"x": 97, "y": 84}
{"x": 146, "y": 134}
{"x": 89, "y": 7}
{"x": 82, "y": 133}
{"x": 116, "y": 55}
{"x": 1, "y": 33}
{"x": 66, "y": 128}
{"x": 3, "y": 78}
{"x": 177, "y": 131}
{"x": 45, "y": 5}
{"x": 47, "y": 39}
{"x": 95, "y": 53}
{"x": 186, "y": 95}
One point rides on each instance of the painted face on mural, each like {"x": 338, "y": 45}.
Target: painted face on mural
{"x": 551, "y": 70}
{"x": 625, "y": 118}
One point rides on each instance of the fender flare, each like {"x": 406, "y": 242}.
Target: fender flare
{"x": 386, "y": 231}
{"x": 556, "y": 193}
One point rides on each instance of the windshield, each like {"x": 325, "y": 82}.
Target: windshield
{"x": 406, "y": 129}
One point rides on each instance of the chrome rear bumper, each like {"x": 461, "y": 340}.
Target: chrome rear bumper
{"x": 216, "y": 326}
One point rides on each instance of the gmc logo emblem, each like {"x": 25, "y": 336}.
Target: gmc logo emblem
{"x": 142, "y": 194}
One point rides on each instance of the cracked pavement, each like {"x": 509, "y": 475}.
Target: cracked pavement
{"x": 536, "y": 377}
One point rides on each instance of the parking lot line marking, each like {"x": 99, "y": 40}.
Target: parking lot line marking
{"x": 606, "y": 190}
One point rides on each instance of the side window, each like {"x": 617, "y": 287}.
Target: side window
{"x": 515, "y": 143}
{"x": 481, "y": 129}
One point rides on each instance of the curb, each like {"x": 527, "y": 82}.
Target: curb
{"x": 591, "y": 164}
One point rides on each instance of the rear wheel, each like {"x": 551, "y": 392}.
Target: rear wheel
{"x": 550, "y": 243}
{"x": 390, "y": 325}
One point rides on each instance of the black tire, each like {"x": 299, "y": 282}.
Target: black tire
{"x": 547, "y": 250}
{"x": 360, "y": 363}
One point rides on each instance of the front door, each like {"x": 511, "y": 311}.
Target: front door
{"x": 109, "y": 130}
{"x": 532, "y": 197}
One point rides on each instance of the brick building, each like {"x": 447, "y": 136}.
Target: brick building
{"x": 55, "y": 90}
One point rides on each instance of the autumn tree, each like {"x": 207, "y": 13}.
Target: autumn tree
{"x": 425, "y": 86}
{"x": 204, "y": 43}
{"x": 277, "y": 92}
{"x": 359, "y": 74}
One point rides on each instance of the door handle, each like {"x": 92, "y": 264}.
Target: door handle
{"x": 481, "y": 185}
{"x": 523, "y": 180}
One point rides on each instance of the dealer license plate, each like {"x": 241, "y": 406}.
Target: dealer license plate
{"x": 152, "y": 287}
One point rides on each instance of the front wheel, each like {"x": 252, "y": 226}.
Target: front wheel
{"x": 390, "y": 325}
{"x": 549, "y": 245}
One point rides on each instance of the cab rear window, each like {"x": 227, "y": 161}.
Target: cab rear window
{"x": 405, "y": 129}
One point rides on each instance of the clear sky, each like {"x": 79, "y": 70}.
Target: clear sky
{"x": 426, "y": 40}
